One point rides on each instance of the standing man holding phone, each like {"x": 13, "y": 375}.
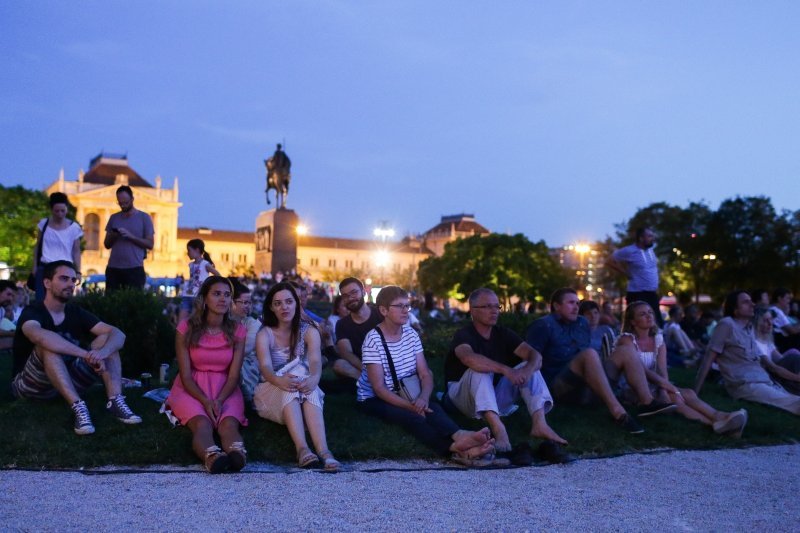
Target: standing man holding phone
{"x": 129, "y": 234}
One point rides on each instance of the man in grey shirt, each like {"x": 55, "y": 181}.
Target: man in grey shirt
{"x": 733, "y": 347}
{"x": 129, "y": 234}
{"x": 639, "y": 263}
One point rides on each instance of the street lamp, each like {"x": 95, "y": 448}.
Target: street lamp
{"x": 383, "y": 231}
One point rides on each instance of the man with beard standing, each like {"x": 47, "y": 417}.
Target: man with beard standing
{"x": 47, "y": 340}
{"x": 129, "y": 234}
{"x": 352, "y": 329}
{"x": 639, "y": 263}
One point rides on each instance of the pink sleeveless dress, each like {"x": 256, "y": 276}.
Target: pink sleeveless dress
{"x": 211, "y": 359}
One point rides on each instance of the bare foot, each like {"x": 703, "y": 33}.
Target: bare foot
{"x": 543, "y": 431}
{"x": 478, "y": 451}
{"x": 465, "y": 440}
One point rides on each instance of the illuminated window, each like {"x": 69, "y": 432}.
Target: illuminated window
{"x": 91, "y": 231}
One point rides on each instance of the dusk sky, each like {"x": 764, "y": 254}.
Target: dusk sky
{"x": 555, "y": 119}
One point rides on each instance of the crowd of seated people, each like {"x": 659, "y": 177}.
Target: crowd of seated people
{"x": 579, "y": 353}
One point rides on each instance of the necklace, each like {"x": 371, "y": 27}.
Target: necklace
{"x": 213, "y": 331}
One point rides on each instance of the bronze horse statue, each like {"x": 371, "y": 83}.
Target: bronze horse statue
{"x": 278, "y": 176}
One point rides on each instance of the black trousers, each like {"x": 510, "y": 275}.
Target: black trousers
{"x": 118, "y": 278}
{"x": 435, "y": 429}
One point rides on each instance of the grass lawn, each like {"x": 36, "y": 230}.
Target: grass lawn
{"x": 39, "y": 434}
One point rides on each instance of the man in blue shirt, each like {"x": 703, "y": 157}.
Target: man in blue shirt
{"x": 639, "y": 263}
{"x": 573, "y": 369}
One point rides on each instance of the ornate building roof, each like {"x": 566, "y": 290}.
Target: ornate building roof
{"x": 457, "y": 224}
{"x": 112, "y": 169}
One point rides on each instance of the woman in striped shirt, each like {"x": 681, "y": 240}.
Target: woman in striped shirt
{"x": 380, "y": 396}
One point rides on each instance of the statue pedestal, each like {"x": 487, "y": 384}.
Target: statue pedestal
{"x": 276, "y": 241}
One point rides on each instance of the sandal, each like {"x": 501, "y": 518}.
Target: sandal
{"x": 329, "y": 462}
{"x": 306, "y": 458}
{"x": 237, "y": 456}
{"x": 474, "y": 462}
{"x": 216, "y": 460}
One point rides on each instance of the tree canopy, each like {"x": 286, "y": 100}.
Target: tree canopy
{"x": 744, "y": 243}
{"x": 22, "y": 209}
{"x": 511, "y": 265}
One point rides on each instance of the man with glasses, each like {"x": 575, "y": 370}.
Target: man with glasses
{"x": 129, "y": 234}
{"x": 488, "y": 368}
{"x": 352, "y": 329}
{"x": 47, "y": 341}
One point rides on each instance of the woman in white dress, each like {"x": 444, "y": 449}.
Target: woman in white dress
{"x": 640, "y": 334}
{"x": 288, "y": 350}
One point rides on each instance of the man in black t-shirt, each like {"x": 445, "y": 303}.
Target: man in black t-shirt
{"x": 352, "y": 329}
{"x": 489, "y": 367}
{"x": 47, "y": 348}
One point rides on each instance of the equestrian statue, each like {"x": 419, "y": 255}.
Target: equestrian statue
{"x": 278, "y": 176}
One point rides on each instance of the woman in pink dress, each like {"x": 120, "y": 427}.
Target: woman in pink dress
{"x": 205, "y": 396}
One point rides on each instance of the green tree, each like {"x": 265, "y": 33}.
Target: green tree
{"x": 753, "y": 245}
{"x": 682, "y": 244}
{"x": 511, "y": 265}
{"x": 22, "y": 209}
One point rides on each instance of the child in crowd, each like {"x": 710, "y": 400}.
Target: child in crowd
{"x": 199, "y": 269}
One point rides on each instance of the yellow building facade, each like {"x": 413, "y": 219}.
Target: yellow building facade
{"x": 93, "y": 193}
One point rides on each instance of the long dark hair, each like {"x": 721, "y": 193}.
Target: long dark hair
{"x": 270, "y": 319}
{"x": 197, "y": 320}
{"x": 198, "y": 244}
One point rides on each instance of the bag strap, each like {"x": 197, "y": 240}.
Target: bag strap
{"x": 40, "y": 244}
{"x": 395, "y": 381}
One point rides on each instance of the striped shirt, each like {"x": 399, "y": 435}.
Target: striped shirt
{"x": 404, "y": 355}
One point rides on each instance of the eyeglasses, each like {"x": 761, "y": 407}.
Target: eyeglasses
{"x": 243, "y": 302}
{"x": 495, "y": 307}
{"x": 355, "y": 293}
{"x": 404, "y": 307}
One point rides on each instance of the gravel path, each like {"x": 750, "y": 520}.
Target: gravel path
{"x": 756, "y": 489}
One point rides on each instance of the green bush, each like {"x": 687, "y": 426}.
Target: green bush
{"x": 150, "y": 337}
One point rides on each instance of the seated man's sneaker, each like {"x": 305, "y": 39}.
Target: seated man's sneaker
{"x": 83, "y": 422}
{"x": 117, "y": 407}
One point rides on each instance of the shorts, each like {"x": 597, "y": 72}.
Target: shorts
{"x": 32, "y": 382}
{"x": 569, "y": 387}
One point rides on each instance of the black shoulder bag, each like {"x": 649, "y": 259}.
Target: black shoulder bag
{"x": 408, "y": 388}
{"x": 31, "y": 283}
